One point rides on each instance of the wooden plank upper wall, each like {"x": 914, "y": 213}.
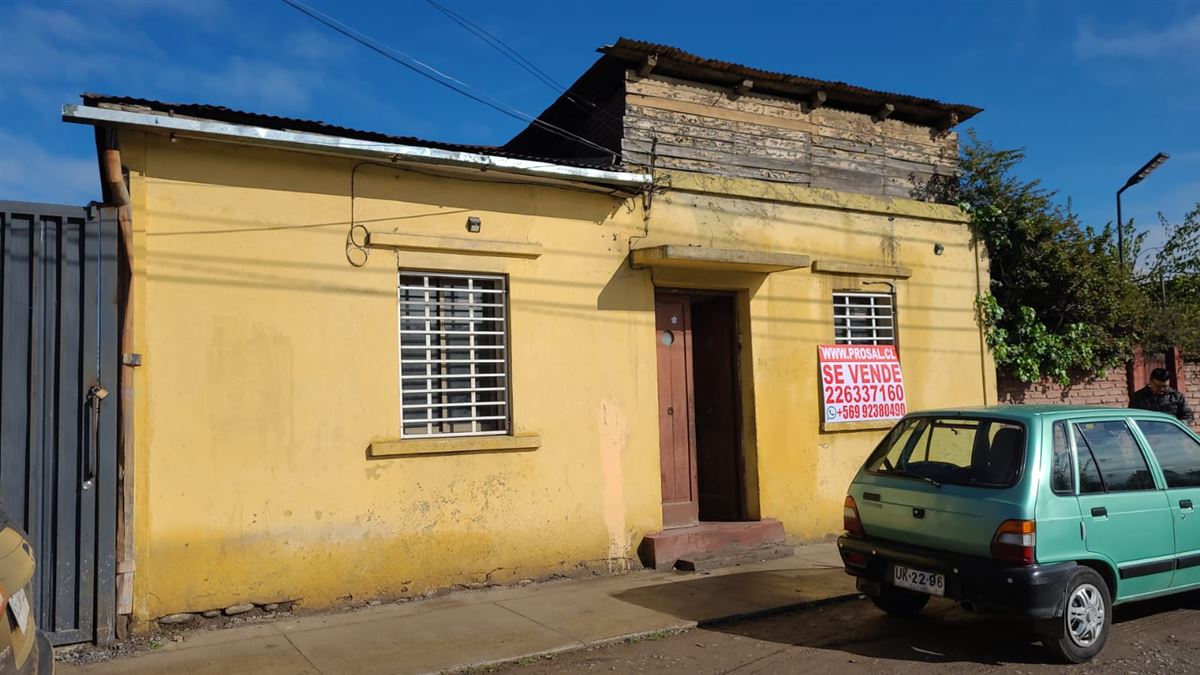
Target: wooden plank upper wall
{"x": 702, "y": 128}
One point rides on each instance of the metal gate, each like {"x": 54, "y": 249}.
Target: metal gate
{"x": 58, "y": 425}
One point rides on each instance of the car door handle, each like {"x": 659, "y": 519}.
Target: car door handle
{"x": 1185, "y": 503}
{"x": 1099, "y": 512}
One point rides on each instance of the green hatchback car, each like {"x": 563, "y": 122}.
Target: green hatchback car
{"x": 1049, "y": 513}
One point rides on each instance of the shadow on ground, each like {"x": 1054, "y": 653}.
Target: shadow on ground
{"x": 943, "y": 633}
{"x": 740, "y": 594}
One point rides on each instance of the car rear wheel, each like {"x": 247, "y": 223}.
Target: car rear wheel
{"x": 1080, "y": 633}
{"x": 900, "y": 602}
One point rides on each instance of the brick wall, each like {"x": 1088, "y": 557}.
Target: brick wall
{"x": 1112, "y": 390}
{"x": 1191, "y": 389}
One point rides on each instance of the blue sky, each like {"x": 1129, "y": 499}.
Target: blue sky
{"x": 1091, "y": 90}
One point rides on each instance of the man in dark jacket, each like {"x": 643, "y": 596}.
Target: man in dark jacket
{"x": 1160, "y": 397}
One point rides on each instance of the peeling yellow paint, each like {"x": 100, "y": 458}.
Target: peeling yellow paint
{"x": 799, "y": 194}
{"x": 614, "y": 435}
{"x": 271, "y": 367}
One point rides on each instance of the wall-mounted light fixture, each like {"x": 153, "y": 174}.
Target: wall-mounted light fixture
{"x": 938, "y": 249}
{"x": 473, "y": 224}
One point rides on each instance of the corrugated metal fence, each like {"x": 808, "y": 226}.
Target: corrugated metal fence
{"x": 58, "y": 407}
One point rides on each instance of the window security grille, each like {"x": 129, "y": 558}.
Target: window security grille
{"x": 453, "y": 355}
{"x": 863, "y": 319}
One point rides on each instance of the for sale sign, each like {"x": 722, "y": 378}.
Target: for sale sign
{"x": 860, "y": 383}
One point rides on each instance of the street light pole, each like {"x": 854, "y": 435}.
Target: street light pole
{"x": 1120, "y": 229}
{"x": 1137, "y": 177}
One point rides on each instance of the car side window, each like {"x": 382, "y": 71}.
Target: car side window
{"x": 1110, "y": 459}
{"x": 1089, "y": 473}
{"x": 1178, "y": 453}
{"x": 1062, "y": 477}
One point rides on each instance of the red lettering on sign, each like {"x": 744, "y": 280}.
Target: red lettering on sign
{"x": 827, "y": 374}
{"x": 860, "y": 382}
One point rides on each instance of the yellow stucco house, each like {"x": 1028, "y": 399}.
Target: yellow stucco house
{"x": 375, "y": 366}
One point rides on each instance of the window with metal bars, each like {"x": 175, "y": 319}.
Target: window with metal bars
{"x": 863, "y": 318}
{"x": 453, "y": 354}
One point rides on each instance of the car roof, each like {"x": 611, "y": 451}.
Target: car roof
{"x": 1032, "y": 412}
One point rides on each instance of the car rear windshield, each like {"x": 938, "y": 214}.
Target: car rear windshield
{"x": 952, "y": 450}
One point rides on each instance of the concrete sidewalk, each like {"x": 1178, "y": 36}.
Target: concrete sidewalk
{"x": 479, "y": 628}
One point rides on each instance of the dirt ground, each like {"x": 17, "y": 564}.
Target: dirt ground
{"x": 1158, "y": 636}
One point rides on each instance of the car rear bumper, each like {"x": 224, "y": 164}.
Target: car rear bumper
{"x": 1033, "y": 591}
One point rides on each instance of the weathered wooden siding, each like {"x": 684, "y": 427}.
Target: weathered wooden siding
{"x": 704, "y": 129}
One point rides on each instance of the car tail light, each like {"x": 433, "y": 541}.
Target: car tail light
{"x": 1015, "y": 541}
{"x": 855, "y": 559}
{"x": 850, "y": 520}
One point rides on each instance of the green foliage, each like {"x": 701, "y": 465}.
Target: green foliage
{"x": 1025, "y": 346}
{"x": 1060, "y": 302}
{"x": 1173, "y": 286}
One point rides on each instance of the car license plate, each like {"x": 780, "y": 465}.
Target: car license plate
{"x": 19, "y": 604}
{"x": 919, "y": 580}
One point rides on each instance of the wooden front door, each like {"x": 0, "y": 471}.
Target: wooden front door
{"x": 676, "y": 431}
{"x": 718, "y": 407}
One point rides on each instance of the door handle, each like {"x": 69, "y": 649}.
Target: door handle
{"x": 1185, "y": 503}
{"x": 670, "y": 410}
{"x": 1099, "y": 512}
{"x": 95, "y": 395}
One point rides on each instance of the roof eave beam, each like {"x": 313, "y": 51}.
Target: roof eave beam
{"x": 184, "y": 127}
{"x": 816, "y": 99}
{"x": 948, "y": 122}
{"x": 647, "y": 65}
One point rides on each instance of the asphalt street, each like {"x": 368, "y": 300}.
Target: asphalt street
{"x": 853, "y": 636}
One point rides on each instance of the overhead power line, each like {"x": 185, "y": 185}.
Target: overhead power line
{"x": 443, "y": 79}
{"x": 499, "y": 44}
{"x": 516, "y": 57}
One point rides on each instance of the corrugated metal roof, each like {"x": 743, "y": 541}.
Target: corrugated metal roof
{"x": 678, "y": 63}
{"x": 228, "y": 115}
{"x": 601, "y": 80}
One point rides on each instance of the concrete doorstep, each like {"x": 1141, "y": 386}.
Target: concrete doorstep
{"x": 487, "y": 628}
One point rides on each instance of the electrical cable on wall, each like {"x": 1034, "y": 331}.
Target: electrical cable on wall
{"x": 357, "y": 253}
{"x": 661, "y": 183}
{"x": 357, "y": 250}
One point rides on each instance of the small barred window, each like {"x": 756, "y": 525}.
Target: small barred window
{"x": 863, "y": 319}
{"x": 453, "y": 354}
